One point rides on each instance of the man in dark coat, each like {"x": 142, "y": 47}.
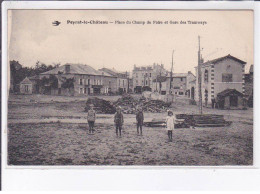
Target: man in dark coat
{"x": 139, "y": 120}
{"x": 118, "y": 120}
{"x": 213, "y": 102}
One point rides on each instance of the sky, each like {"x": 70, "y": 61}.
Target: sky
{"x": 32, "y": 37}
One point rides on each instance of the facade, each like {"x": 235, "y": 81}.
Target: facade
{"x": 230, "y": 99}
{"x": 77, "y": 79}
{"x": 143, "y": 77}
{"x": 122, "y": 80}
{"x": 181, "y": 84}
{"x": 249, "y": 80}
{"x": 26, "y": 86}
{"x": 218, "y": 75}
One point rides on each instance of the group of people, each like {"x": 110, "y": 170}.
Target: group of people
{"x": 119, "y": 121}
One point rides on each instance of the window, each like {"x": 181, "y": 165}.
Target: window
{"x": 80, "y": 82}
{"x": 181, "y": 79}
{"x": 81, "y": 90}
{"x": 26, "y": 88}
{"x": 227, "y": 77}
{"x": 123, "y": 83}
{"x": 88, "y": 81}
{"x": 180, "y": 93}
{"x": 176, "y": 87}
{"x": 206, "y": 76}
{"x": 146, "y": 83}
{"x": 150, "y": 74}
{"x": 85, "y": 90}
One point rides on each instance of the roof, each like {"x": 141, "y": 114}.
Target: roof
{"x": 114, "y": 73}
{"x": 174, "y": 75}
{"x": 26, "y": 81}
{"x": 214, "y": 61}
{"x": 178, "y": 75}
{"x": 229, "y": 92}
{"x": 74, "y": 69}
{"x": 108, "y": 71}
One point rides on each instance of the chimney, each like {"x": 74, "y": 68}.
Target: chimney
{"x": 67, "y": 68}
{"x": 189, "y": 72}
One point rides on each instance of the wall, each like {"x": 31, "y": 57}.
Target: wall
{"x": 109, "y": 82}
{"x": 215, "y": 84}
{"x": 179, "y": 82}
{"x": 23, "y": 88}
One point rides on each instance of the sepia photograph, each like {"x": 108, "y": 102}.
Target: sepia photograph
{"x": 130, "y": 87}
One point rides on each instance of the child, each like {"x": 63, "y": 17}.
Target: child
{"x": 118, "y": 120}
{"x": 91, "y": 118}
{"x": 139, "y": 120}
{"x": 170, "y": 121}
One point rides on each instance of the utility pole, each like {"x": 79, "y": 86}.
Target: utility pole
{"x": 171, "y": 74}
{"x": 199, "y": 78}
{"x": 128, "y": 84}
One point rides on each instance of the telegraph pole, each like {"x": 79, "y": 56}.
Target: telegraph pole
{"x": 171, "y": 74}
{"x": 199, "y": 78}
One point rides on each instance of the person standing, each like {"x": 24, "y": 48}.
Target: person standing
{"x": 140, "y": 120}
{"x": 213, "y": 102}
{"x": 170, "y": 121}
{"x": 118, "y": 120}
{"x": 91, "y": 118}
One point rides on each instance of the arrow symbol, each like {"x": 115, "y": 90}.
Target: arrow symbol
{"x": 56, "y": 23}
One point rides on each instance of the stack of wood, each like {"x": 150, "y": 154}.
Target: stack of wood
{"x": 100, "y": 106}
{"x": 127, "y": 104}
{"x": 209, "y": 120}
{"x": 188, "y": 120}
{"x": 155, "y": 106}
{"x": 155, "y": 123}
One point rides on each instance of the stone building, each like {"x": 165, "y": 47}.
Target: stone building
{"x": 218, "y": 75}
{"x": 77, "y": 79}
{"x": 122, "y": 84}
{"x": 26, "y": 86}
{"x": 143, "y": 77}
{"x": 181, "y": 84}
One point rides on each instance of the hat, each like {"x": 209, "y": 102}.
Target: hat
{"x": 118, "y": 108}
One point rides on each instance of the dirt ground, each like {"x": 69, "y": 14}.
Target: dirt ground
{"x": 50, "y": 130}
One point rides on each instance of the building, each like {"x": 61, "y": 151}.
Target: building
{"x": 249, "y": 80}
{"x": 76, "y": 79}
{"x": 143, "y": 77}
{"x": 26, "y": 86}
{"x": 122, "y": 80}
{"x": 218, "y": 75}
{"x": 182, "y": 84}
{"x": 249, "y": 86}
{"x": 230, "y": 98}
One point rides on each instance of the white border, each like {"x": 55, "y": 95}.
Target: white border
{"x": 127, "y": 177}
